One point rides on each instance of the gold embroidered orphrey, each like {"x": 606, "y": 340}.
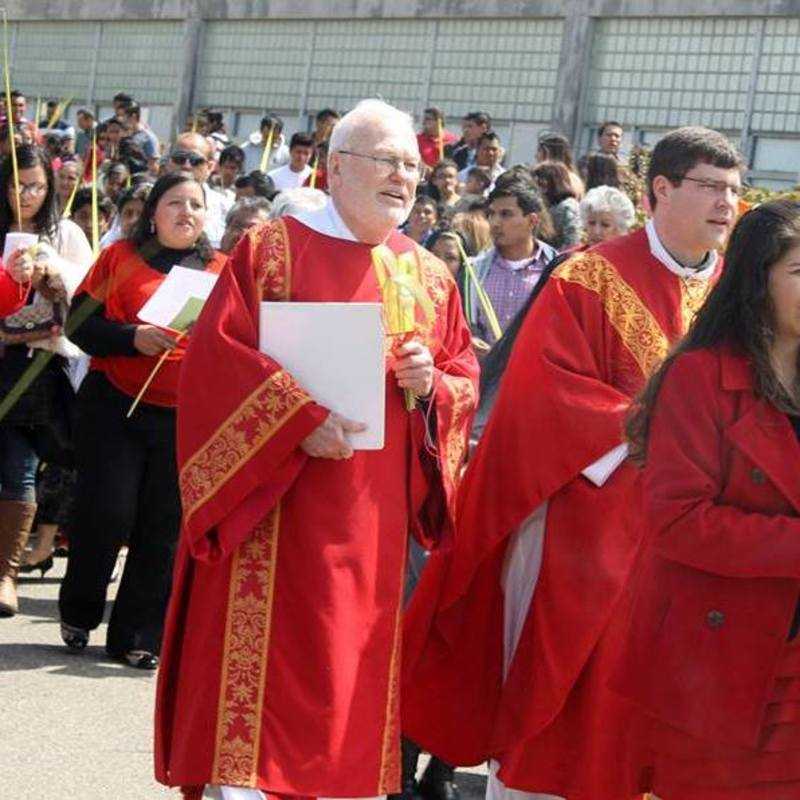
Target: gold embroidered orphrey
{"x": 267, "y": 409}
{"x": 239, "y": 438}
{"x": 246, "y": 649}
{"x": 629, "y": 316}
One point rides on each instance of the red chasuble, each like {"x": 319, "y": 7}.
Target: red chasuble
{"x": 280, "y": 667}
{"x": 600, "y": 327}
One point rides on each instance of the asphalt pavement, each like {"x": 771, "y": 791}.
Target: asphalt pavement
{"x": 79, "y": 726}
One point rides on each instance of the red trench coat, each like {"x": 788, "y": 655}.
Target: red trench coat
{"x": 719, "y": 579}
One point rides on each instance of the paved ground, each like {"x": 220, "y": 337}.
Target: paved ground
{"x": 78, "y": 727}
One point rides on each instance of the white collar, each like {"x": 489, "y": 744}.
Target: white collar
{"x": 660, "y": 252}
{"x": 326, "y": 220}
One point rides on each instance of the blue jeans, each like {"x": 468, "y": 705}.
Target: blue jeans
{"x": 18, "y": 464}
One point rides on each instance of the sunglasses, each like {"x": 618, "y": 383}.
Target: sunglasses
{"x": 180, "y": 157}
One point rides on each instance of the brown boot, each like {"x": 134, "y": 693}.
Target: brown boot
{"x": 16, "y": 519}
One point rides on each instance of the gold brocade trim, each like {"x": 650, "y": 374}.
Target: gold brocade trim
{"x": 694, "y": 292}
{"x": 246, "y": 651}
{"x": 389, "y": 778}
{"x": 240, "y": 436}
{"x": 465, "y": 398}
{"x": 629, "y": 316}
{"x": 272, "y": 260}
{"x": 438, "y": 284}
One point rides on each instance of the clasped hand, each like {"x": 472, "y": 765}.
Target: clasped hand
{"x": 152, "y": 341}
{"x": 329, "y": 440}
{"x": 414, "y": 368}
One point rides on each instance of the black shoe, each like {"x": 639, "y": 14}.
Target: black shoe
{"x": 438, "y": 782}
{"x": 408, "y": 782}
{"x": 74, "y": 638}
{"x": 44, "y": 566}
{"x": 139, "y": 659}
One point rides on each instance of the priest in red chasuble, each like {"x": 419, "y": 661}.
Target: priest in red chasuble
{"x": 281, "y": 662}
{"x": 509, "y": 632}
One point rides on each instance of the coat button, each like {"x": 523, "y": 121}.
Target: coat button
{"x": 757, "y": 476}
{"x": 715, "y": 619}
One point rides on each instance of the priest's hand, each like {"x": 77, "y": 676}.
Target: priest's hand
{"x": 151, "y": 341}
{"x": 329, "y": 440}
{"x": 414, "y": 368}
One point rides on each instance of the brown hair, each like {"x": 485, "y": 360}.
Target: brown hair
{"x": 553, "y": 180}
{"x": 556, "y": 147}
{"x": 738, "y": 313}
{"x": 602, "y": 170}
{"x": 474, "y": 227}
{"x": 683, "y": 149}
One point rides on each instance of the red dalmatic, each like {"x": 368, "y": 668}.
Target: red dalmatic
{"x": 601, "y": 326}
{"x": 281, "y": 656}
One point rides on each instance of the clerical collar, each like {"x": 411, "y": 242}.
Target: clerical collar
{"x": 326, "y": 220}
{"x": 657, "y": 249}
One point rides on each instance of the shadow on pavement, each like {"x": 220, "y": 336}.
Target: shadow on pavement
{"x": 91, "y": 663}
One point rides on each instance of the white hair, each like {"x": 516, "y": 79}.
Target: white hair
{"x": 366, "y": 112}
{"x": 293, "y": 201}
{"x": 609, "y": 200}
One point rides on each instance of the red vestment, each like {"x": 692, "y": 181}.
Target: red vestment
{"x": 602, "y": 324}
{"x": 280, "y": 665}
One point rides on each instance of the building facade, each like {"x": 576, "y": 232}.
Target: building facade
{"x": 534, "y": 66}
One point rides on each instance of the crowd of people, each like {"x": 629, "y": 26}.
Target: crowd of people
{"x": 614, "y": 608}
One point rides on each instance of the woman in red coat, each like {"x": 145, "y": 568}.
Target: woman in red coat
{"x": 712, "y": 657}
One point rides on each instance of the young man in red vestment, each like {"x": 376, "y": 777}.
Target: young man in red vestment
{"x": 509, "y": 631}
{"x": 280, "y": 669}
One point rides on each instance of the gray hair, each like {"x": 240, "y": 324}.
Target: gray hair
{"x": 368, "y": 111}
{"x": 609, "y": 200}
{"x": 293, "y": 201}
{"x": 250, "y": 205}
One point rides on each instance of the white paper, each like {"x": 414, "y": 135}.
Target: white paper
{"x": 15, "y": 240}
{"x": 602, "y": 469}
{"x": 181, "y": 286}
{"x": 335, "y": 351}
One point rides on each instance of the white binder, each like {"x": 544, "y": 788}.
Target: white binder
{"x": 335, "y": 351}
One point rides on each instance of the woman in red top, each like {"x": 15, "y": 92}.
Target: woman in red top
{"x": 127, "y": 478}
{"x": 712, "y": 658}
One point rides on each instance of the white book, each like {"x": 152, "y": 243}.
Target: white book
{"x": 180, "y": 298}
{"x": 335, "y": 351}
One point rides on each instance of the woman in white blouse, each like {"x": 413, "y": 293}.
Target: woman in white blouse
{"x": 36, "y": 426}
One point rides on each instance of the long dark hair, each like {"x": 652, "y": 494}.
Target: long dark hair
{"x": 738, "y": 314}
{"x": 553, "y": 180}
{"x": 146, "y": 242}
{"x": 45, "y": 222}
{"x": 602, "y": 170}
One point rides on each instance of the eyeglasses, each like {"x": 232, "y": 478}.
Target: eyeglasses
{"x": 180, "y": 157}
{"x": 388, "y": 165}
{"x": 708, "y": 186}
{"x": 34, "y": 189}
